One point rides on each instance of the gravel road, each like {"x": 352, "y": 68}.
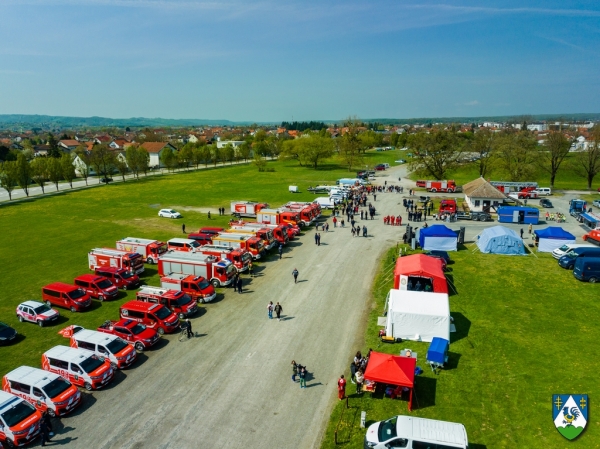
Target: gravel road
{"x": 231, "y": 387}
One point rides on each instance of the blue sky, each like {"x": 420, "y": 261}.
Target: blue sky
{"x": 283, "y": 60}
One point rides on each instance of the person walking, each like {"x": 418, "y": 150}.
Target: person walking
{"x": 334, "y": 222}
{"x": 45, "y": 428}
{"x": 240, "y": 284}
{"x": 316, "y": 238}
{"x": 183, "y": 227}
{"x": 209, "y": 215}
{"x": 319, "y": 239}
{"x": 521, "y": 233}
{"x": 374, "y": 197}
{"x": 295, "y": 274}
{"x": 278, "y": 309}
{"x": 294, "y": 370}
{"x": 234, "y": 283}
{"x": 530, "y": 228}
{"x": 327, "y": 227}
{"x": 188, "y": 328}
{"x": 302, "y": 378}
{"x": 280, "y": 250}
{"x": 352, "y": 231}
{"x": 270, "y": 310}
{"x": 341, "y": 387}
{"x": 251, "y": 268}
{"x": 364, "y": 231}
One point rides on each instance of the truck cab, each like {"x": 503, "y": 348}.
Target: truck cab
{"x": 179, "y": 302}
{"x": 447, "y": 206}
{"x": 196, "y": 286}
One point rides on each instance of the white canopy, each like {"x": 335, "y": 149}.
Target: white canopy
{"x": 419, "y": 316}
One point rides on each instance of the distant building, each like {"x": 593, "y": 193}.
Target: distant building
{"x": 481, "y": 196}
{"x": 155, "y": 150}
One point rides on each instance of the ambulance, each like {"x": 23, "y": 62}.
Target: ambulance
{"x": 44, "y": 390}
{"x": 19, "y": 420}
{"x": 80, "y": 366}
{"x": 120, "y": 353}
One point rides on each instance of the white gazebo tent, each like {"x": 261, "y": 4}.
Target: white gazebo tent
{"x": 418, "y": 316}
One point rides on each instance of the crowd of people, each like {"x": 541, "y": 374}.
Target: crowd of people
{"x": 557, "y": 217}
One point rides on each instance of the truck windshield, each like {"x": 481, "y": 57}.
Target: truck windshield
{"x": 162, "y": 313}
{"x": 56, "y": 387}
{"x": 387, "y": 430}
{"x": 194, "y": 244}
{"x": 138, "y": 329}
{"x": 42, "y": 309}
{"x": 76, "y": 294}
{"x": 18, "y": 413}
{"x": 104, "y": 284}
{"x": 203, "y": 284}
{"x": 91, "y": 364}
{"x": 247, "y": 256}
{"x": 116, "y": 346}
{"x": 183, "y": 300}
{"x": 127, "y": 275}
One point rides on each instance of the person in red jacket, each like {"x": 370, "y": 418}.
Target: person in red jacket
{"x": 341, "y": 387}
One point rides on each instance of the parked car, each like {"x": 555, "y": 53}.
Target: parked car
{"x": 546, "y": 203}
{"x": 169, "y": 213}
{"x": 380, "y": 167}
{"x": 596, "y": 203}
{"x": 106, "y": 179}
{"x": 36, "y": 312}
{"x": 400, "y": 161}
{"x": 7, "y": 333}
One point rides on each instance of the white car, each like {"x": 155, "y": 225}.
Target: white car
{"x": 169, "y": 213}
{"x": 36, "y": 312}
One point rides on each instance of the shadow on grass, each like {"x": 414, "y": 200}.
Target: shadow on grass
{"x": 452, "y": 289}
{"x": 462, "y": 324}
{"x": 18, "y": 339}
{"x": 148, "y": 272}
{"x": 477, "y": 446}
{"x": 424, "y": 394}
{"x": 59, "y": 321}
{"x": 95, "y": 305}
{"x": 453, "y": 359}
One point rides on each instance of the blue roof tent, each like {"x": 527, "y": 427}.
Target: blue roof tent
{"x": 552, "y": 237}
{"x": 438, "y": 350}
{"x": 438, "y": 237}
{"x": 518, "y": 214}
{"x": 500, "y": 240}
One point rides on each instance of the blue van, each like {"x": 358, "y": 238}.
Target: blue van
{"x": 568, "y": 260}
{"x": 587, "y": 269}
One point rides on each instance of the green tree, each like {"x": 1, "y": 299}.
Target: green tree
{"x": 39, "y": 171}
{"x": 229, "y": 153}
{"x": 23, "y": 173}
{"x": 143, "y": 160}
{"x": 67, "y": 168}
{"x": 315, "y": 148}
{"x": 516, "y": 154}
{"x": 54, "y": 169}
{"x": 553, "y": 153}
{"x": 587, "y": 161}
{"x": 132, "y": 156}
{"x": 291, "y": 150}
{"x": 482, "y": 145}
{"x": 197, "y": 156}
{"x": 216, "y": 154}
{"x": 169, "y": 159}
{"x": 54, "y": 151}
{"x": 260, "y": 162}
{"x": 243, "y": 150}
{"x": 103, "y": 161}
{"x": 434, "y": 153}
{"x": 9, "y": 177}
{"x": 121, "y": 166}
{"x": 185, "y": 155}
{"x": 84, "y": 162}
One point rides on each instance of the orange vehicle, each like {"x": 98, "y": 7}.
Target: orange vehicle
{"x": 593, "y": 237}
{"x": 247, "y": 208}
{"x": 239, "y": 257}
{"x": 280, "y": 232}
{"x": 179, "y": 302}
{"x": 150, "y": 250}
{"x": 265, "y": 234}
{"x": 19, "y": 420}
{"x": 278, "y": 216}
{"x": 254, "y": 245}
{"x": 116, "y": 258}
{"x": 196, "y": 286}
{"x": 79, "y": 366}
{"x": 119, "y": 352}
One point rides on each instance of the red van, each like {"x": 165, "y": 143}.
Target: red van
{"x": 121, "y": 277}
{"x": 67, "y": 296}
{"x": 96, "y": 286}
{"x": 154, "y": 316}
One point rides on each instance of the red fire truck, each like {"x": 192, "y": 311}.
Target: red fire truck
{"x": 116, "y": 258}
{"x": 315, "y": 208}
{"x": 440, "y": 186}
{"x": 447, "y": 206}
{"x": 218, "y": 272}
{"x": 239, "y": 257}
{"x": 278, "y": 216}
{"x": 508, "y": 186}
{"x": 179, "y": 302}
{"x": 247, "y": 208}
{"x": 265, "y": 234}
{"x": 195, "y": 286}
{"x": 254, "y": 245}
{"x": 280, "y": 232}
{"x": 150, "y": 250}
{"x": 307, "y": 214}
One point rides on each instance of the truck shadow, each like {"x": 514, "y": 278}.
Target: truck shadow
{"x": 119, "y": 377}
{"x": 87, "y": 400}
{"x": 148, "y": 272}
{"x": 139, "y": 360}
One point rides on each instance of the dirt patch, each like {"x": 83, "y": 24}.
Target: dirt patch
{"x": 203, "y": 210}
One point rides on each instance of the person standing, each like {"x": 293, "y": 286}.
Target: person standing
{"x": 530, "y": 228}
{"x": 316, "y": 238}
{"x": 360, "y": 378}
{"x": 364, "y": 231}
{"x": 327, "y": 227}
{"x": 319, "y": 239}
{"x": 352, "y": 231}
{"x": 521, "y": 233}
{"x": 374, "y": 197}
{"x": 302, "y": 378}
{"x": 234, "y": 283}
{"x": 295, "y": 274}
{"x": 270, "y": 310}
{"x": 334, "y": 222}
{"x": 45, "y": 428}
{"x": 251, "y": 268}
{"x": 280, "y": 250}
{"x": 183, "y": 227}
{"x": 278, "y": 309}
{"x": 294, "y": 370}
{"x": 240, "y": 284}
{"x": 341, "y": 387}
{"x": 209, "y": 215}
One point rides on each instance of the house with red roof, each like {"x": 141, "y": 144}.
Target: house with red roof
{"x": 155, "y": 150}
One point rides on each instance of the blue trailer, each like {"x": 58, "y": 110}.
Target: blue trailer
{"x": 577, "y": 207}
{"x": 518, "y": 214}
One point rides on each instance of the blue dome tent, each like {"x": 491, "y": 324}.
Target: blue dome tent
{"x": 500, "y": 240}
{"x": 438, "y": 237}
{"x": 553, "y": 237}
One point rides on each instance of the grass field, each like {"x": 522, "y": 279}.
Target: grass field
{"x": 47, "y": 238}
{"x": 526, "y": 329}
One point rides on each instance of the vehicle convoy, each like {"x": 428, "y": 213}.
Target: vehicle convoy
{"x": 561, "y": 251}
{"x": 196, "y": 286}
{"x": 277, "y": 216}
{"x": 187, "y": 245}
{"x": 45, "y": 391}
{"x": 19, "y": 420}
{"x": 447, "y": 206}
{"x": 154, "y": 316}
{"x": 121, "y": 277}
{"x": 149, "y": 249}
{"x": 438, "y": 186}
{"x": 592, "y": 237}
{"x": 308, "y": 214}
{"x": 577, "y": 206}
{"x": 134, "y": 333}
{"x": 569, "y": 259}
{"x": 239, "y": 257}
{"x": 475, "y": 216}
{"x": 254, "y": 245}
{"x": 177, "y": 301}
{"x": 79, "y": 366}
{"x": 247, "y": 208}
{"x": 115, "y": 258}
{"x": 282, "y": 233}
{"x": 265, "y": 234}
{"x": 416, "y": 433}
{"x": 96, "y": 286}
{"x": 118, "y": 351}
{"x": 68, "y": 296}
{"x": 218, "y": 272}
{"x": 36, "y": 312}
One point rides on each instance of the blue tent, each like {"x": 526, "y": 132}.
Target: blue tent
{"x": 500, "y": 240}
{"x": 438, "y": 237}
{"x": 552, "y": 237}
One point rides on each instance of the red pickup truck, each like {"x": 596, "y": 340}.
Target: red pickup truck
{"x": 134, "y": 333}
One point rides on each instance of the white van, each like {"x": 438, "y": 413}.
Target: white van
{"x": 563, "y": 250}
{"x": 324, "y": 202}
{"x": 79, "y": 366}
{"x": 44, "y": 390}
{"x": 19, "y": 421}
{"x": 543, "y": 191}
{"x": 120, "y": 353}
{"x": 416, "y": 433}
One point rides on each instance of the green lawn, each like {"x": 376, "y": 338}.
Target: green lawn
{"x": 46, "y": 239}
{"x": 526, "y": 329}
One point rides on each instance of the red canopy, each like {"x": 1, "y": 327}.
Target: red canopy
{"x": 391, "y": 369}
{"x": 421, "y": 265}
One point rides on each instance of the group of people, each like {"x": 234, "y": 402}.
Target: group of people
{"x": 358, "y": 367}
{"x": 318, "y": 238}
{"x": 300, "y": 371}
{"x": 446, "y": 216}
{"x": 356, "y": 231}
{"x": 558, "y": 217}
{"x": 221, "y": 211}
{"x": 274, "y": 308}
{"x": 391, "y": 220}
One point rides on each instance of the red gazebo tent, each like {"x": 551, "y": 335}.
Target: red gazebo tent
{"x": 391, "y": 369}
{"x": 424, "y": 266}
